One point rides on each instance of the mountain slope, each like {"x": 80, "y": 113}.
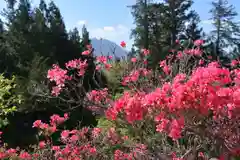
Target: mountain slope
{"x": 106, "y": 47}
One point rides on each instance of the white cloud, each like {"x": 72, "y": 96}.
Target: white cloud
{"x": 108, "y": 28}
{"x": 81, "y": 22}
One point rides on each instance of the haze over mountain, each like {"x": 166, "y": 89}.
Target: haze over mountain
{"x": 106, "y": 47}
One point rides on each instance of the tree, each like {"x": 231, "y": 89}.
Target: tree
{"x": 176, "y": 15}
{"x": 1, "y": 27}
{"x": 141, "y": 32}
{"x": 149, "y": 32}
{"x": 43, "y": 8}
{"x": 192, "y": 30}
{"x": 18, "y": 37}
{"x": 75, "y": 43}
{"x": 164, "y": 24}
{"x": 58, "y": 36}
{"x": 85, "y": 36}
{"x": 226, "y": 30}
{"x": 11, "y": 3}
{"x": 10, "y": 11}
{"x": 74, "y": 36}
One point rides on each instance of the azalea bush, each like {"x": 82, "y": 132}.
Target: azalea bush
{"x": 189, "y": 108}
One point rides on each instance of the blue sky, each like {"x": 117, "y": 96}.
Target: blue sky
{"x": 112, "y": 19}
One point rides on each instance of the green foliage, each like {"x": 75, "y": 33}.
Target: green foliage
{"x": 114, "y": 76}
{"x": 8, "y": 99}
{"x": 32, "y": 85}
{"x": 104, "y": 123}
{"x": 3, "y": 122}
{"x": 117, "y": 95}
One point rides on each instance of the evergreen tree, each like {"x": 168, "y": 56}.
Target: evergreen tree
{"x": 11, "y": 3}
{"x": 192, "y": 30}
{"x": 7, "y": 57}
{"x": 75, "y": 43}
{"x": 41, "y": 40}
{"x": 85, "y": 37}
{"x": 1, "y": 26}
{"x": 74, "y": 36}
{"x": 158, "y": 34}
{"x": 165, "y": 24}
{"x": 2, "y": 48}
{"x": 9, "y": 11}
{"x": 140, "y": 14}
{"x": 18, "y": 37}
{"x": 58, "y": 36}
{"x": 226, "y": 30}
{"x": 176, "y": 15}
{"x": 149, "y": 32}
{"x": 43, "y": 8}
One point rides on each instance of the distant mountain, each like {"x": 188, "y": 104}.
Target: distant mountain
{"x": 106, "y": 47}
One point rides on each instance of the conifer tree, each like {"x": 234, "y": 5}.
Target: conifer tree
{"x": 74, "y": 36}
{"x": 192, "y": 30}
{"x": 165, "y": 23}
{"x": 176, "y": 14}
{"x": 226, "y": 30}
{"x": 140, "y": 12}
{"x": 85, "y": 37}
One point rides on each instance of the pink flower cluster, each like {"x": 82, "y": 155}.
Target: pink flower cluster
{"x": 77, "y": 64}
{"x": 145, "y": 53}
{"x": 135, "y": 75}
{"x": 138, "y": 151}
{"x": 102, "y": 62}
{"x": 199, "y": 42}
{"x": 55, "y": 120}
{"x": 131, "y": 105}
{"x": 234, "y": 62}
{"x": 204, "y": 91}
{"x": 165, "y": 67}
{"x": 57, "y": 75}
{"x": 98, "y": 96}
{"x": 207, "y": 92}
{"x": 194, "y": 52}
{"x": 85, "y": 143}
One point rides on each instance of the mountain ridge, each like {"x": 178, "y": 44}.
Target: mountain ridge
{"x": 107, "y": 47}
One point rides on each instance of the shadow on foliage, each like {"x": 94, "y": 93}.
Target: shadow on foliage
{"x": 20, "y": 132}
